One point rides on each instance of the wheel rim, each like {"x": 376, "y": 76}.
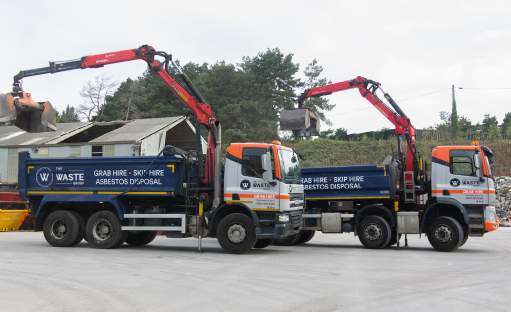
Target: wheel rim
{"x": 58, "y": 229}
{"x": 372, "y": 232}
{"x": 102, "y": 230}
{"x": 236, "y": 233}
{"x": 443, "y": 234}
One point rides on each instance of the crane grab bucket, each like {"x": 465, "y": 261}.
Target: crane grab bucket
{"x": 301, "y": 121}
{"x": 30, "y": 116}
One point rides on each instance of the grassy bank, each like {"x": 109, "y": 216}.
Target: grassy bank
{"x": 325, "y": 152}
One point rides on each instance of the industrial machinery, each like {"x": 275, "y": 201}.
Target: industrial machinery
{"x": 257, "y": 198}
{"x": 380, "y": 202}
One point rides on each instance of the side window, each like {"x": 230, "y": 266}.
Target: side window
{"x": 251, "y": 165}
{"x": 463, "y": 162}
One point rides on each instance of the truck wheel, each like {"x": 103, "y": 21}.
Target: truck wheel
{"x": 61, "y": 228}
{"x": 103, "y": 230}
{"x": 81, "y": 233}
{"x": 288, "y": 240}
{"x": 141, "y": 238}
{"x": 123, "y": 239}
{"x": 465, "y": 237}
{"x": 263, "y": 243}
{"x": 305, "y": 236}
{"x": 445, "y": 234}
{"x": 236, "y": 233}
{"x": 374, "y": 232}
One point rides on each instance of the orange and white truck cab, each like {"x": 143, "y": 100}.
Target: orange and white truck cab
{"x": 266, "y": 179}
{"x": 461, "y": 176}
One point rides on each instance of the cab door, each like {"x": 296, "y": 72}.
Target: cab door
{"x": 252, "y": 189}
{"x": 465, "y": 177}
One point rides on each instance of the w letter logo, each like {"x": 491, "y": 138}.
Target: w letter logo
{"x": 44, "y": 177}
{"x": 455, "y": 182}
{"x": 245, "y": 184}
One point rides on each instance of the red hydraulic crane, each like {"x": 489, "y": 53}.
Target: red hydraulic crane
{"x": 412, "y": 162}
{"x": 18, "y": 99}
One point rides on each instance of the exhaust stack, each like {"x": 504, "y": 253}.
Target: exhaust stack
{"x": 28, "y": 115}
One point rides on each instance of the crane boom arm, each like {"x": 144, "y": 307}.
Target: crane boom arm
{"x": 201, "y": 109}
{"x": 394, "y": 113}
{"x": 196, "y": 103}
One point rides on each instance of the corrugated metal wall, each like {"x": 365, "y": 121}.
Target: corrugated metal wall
{"x": 12, "y": 165}
{"x": 124, "y": 149}
{"x": 4, "y": 154}
{"x": 59, "y": 151}
{"x": 44, "y": 152}
{"x": 75, "y": 151}
{"x": 108, "y": 150}
{"x": 151, "y": 144}
{"x": 86, "y": 150}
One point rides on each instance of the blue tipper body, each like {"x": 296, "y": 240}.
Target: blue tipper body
{"x": 350, "y": 182}
{"x": 99, "y": 179}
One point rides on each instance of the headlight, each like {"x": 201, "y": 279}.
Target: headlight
{"x": 284, "y": 218}
{"x": 491, "y": 214}
{"x": 492, "y": 217}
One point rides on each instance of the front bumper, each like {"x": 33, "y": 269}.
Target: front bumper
{"x": 491, "y": 220}
{"x": 293, "y": 226}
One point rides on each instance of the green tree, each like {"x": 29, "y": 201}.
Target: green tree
{"x": 333, "y": 135}
{"x": 454, "y": 116}
{"x": 445, "y": 126}
{"x": 488, "y": 122}
{"x": 340, "y": 132}
{"x": 319, "y": 104}
{"x": 326, "y": 134}
{"x": 506, "y": 124}
{"x": 68, "y": 115}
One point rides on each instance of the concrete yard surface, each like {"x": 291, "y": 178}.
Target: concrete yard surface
{"x": 333, "y": 272}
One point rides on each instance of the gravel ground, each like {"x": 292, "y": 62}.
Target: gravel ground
{"x": 332, "y": 272}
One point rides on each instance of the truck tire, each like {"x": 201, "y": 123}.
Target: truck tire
{"x": 236, "y": 233}
{"x": 445, "y": 234}
{"x": 123, "y": 239}
{"x": 81, "y": 233}
{"x": 305, "y": 236}
{"x": 61, "y": 228}
{"x": 465, "y": 237}
{"x": 141, "y": 238}
{"x": 264, "y": 242}
{"x": 288, "y": 240}
{"x": 103, "y": 230}
{"x": 374, "y": 232}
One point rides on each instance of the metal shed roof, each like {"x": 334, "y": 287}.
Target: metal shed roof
{"x": 123, "y": 131}
{"x": 137, "y": 130}
{"x": 14, "y": 136}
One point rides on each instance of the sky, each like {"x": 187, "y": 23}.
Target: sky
{"x": 412, "y": 48}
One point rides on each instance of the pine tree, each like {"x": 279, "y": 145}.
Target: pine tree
{"x": 454, "y": 116}
{"x": 319, "y": 104}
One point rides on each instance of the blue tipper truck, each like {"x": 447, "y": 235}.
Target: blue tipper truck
{"x": 337, "y": 198}
{"x": 113, "y": 200}
{"x": 366, "y": 201}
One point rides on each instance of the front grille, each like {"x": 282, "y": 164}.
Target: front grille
{"x": 296, "y": 200}
{"x": 296, "y": 218}
{"x": 297, "y": 196}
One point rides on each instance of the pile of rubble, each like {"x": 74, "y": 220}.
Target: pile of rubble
{"x": 503, "y": 198}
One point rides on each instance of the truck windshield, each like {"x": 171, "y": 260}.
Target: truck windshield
{"x": 290, "y": 166}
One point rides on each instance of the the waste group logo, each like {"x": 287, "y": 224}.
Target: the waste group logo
{"x": 44, "y": 177}
{"x": 455, "y": 182}
{"x": 245, "y": 184}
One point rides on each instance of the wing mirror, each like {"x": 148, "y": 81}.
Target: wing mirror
{"x": 266, "y": 164}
